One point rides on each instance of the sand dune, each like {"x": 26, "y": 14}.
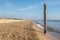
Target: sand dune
{"x": 20, "y": 30}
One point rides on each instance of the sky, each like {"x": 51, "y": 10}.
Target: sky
{"x": 30, "y": 9}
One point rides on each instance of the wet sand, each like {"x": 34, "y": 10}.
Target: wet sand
{"x": 50, "y": 32}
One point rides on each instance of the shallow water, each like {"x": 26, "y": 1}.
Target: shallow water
{"x": 52, "y": 24}
{"x": 55, "y": 25}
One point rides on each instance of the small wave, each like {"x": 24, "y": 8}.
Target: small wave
{"x": 39, "y": 26}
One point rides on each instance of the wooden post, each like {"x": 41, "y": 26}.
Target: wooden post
{"x": 44, "y": 18}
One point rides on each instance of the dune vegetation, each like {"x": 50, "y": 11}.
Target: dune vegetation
{"x": 17, "y": 31}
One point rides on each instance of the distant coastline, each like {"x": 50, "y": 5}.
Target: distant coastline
{"x": 54, "y": 20}
{"x": 49, "y": 20}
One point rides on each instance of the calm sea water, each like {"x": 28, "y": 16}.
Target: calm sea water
{"x": 52, "y": 24}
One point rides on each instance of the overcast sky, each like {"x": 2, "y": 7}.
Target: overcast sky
{"x": 29, "y": 9}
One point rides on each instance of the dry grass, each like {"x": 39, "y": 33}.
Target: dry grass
{"x": 17, "y": 31}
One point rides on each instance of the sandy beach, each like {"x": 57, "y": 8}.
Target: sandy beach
{"x": 20, "y": 30}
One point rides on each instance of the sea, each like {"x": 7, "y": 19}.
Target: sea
{"x": 54, "y": 24}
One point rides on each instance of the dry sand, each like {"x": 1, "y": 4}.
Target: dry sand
{"x": 20, "y": 30}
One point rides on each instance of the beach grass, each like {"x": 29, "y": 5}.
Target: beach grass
{"x": 11, "y": 29}
{"x": 17, "y": 31}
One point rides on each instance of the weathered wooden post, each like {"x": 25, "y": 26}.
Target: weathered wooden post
{"x": 44, "y": 18}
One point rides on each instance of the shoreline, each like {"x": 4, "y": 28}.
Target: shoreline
{"x": 28, "y": 23}
{"x": 50, "y": 32}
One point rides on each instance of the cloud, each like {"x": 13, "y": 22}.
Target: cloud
{"x": 30, "y": 7}
{"x": 52, "y": 3}
{"x": 27, "y": 8}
